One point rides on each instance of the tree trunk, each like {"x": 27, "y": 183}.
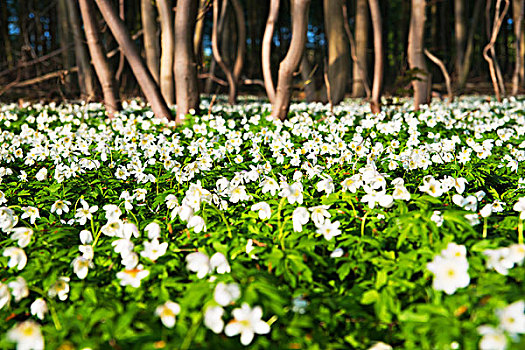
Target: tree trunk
{"x": 151, "y": 42}
{"x": 199, "y": 32}
{"x": 241, "y": 41}
{"x": 416, "y": 58}
{"x": 8, "y": 51}
{"x": 185, "y": 67}
{"x": 375, "y": 14}
{"x": 361, "y": 47}
{"x": 141, "y": 72}
{"x": 266, "y": 49}
{"x": 64, "y": 40}
{"x": 166, "y": 59}
{"x": 292, "y": 59}
{"x": 493, "y": 64}
{"x": 517, "y": 11}
{"x": 120, "y": 67}
{"x": 104, "y": 74}
{"x": 460, "y": 34}
{"x": 220, "y": 29}
{"x": 493, "y": 67}
{"x": 306, "y": 76}
{"x": 462, "y": 79}
{"x": 216, "y": 53}
{"x": 338, "y": 53}
{"x": 86, "y": 80}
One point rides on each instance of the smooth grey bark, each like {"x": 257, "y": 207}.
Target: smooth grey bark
{"x": 360, "y": 66}
{"x": 141, "y": 72}
{"x": 151, "y": 42}
{"x": 167, "y": 86}
{"x": 377, "y": 25}
{"x": 338, "y": 50}
{"x": 187, "y": 89}
{"x": 216, "y": 52}
{"x": 267, "y": 47}
{"x": 517, "y": 11}
{"x": 292, "y": 59}
{"x": 460, "y": 27}
{"x": 416, "y": 58}
{"x": 104, "y": 74}
{"x": 462, "y": 79}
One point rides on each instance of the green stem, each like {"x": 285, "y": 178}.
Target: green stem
{"x": 484, "y": 228}
{"x": 363, "y": 224}
{"x": 520, "y": 231}
{"x": 191, "y": 333}
{"x": 223, "y": 219}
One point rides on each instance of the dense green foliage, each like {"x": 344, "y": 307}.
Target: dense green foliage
{"x": 354, "y": 275}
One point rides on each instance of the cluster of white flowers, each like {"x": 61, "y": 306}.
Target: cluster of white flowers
{"x": 450, "y": 269}
{"x": 349, "y": 137}
{"x": 511, "y": 322}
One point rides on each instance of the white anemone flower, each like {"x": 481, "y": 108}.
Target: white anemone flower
{"x": 81, "y": 266}
{"x": 520, "y": 207}
{"x": 492, "y": 338}
{"x": 213, "y": 319}
{"x": 39, "y": 308}
{"x": 5, "y": 295}
{"x": 167, "y": 313}
{"x": 27, "y": 335}
{"x": 218, "y": 261}
{"x": 247, "y": 322}
{"x": 225, "y": 294}
{"x": 264, "y": 210}
{"x": 132, "y": 277}
{"x": 60, "y": 206}
{"x": 300, "y": 217}
{"x": 449, "y": 274}
{"x": 154, "y": 250}
{"x": 60, "y": 288}
{"x": 153, "y": 230}
{"x": 198, "y": 262}
{"x": 22, "y": 235}
{"x": 319, "y": 213}
{"x": 19, "y": 288}
{"x": 197, "y": 223}
{"x": 512, "y": 318}
{"x": 17, "y": 257}
{"x": 30, "y": 212}
{"x": 329, "y": 229}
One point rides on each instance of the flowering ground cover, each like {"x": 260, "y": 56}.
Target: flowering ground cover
{"x": 327, "y": 231}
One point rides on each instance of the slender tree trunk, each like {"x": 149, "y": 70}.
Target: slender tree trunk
{"x": 64, "y": 40}
{"x": 492, "y": 47}
{"x": 441, "y": 66}
{"x": 151, "y": 42}
{"x": 216, "y": 53}
{"x": 375, "y": 14}
{"x": 120, "y": 67}
{"x": 460, "y": 34}
{"x": 241, "y": 41}
{"x": 517, "y": 11}
{"x": 498, "y": 20}
{"x": 361, "y": 48}
{"x": 220, "y": 29}
{"x": 416, "y": 58}
{"x": 292, "y": 59}
{"x": 185, "y": 66}
{"x": 166, "y": 59}
{"x": 104, "y": 74}
{"x": 306, "y": 76}
{"x": 199, "y": 32}
{"x": 8, "y": 51}
{"x": 462, "y": 79}
{"x": 86, "y": 80}
{"x": 267, "y": 47}
{"x": 338, "y": 53}
{"x": 141, "y": 72}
